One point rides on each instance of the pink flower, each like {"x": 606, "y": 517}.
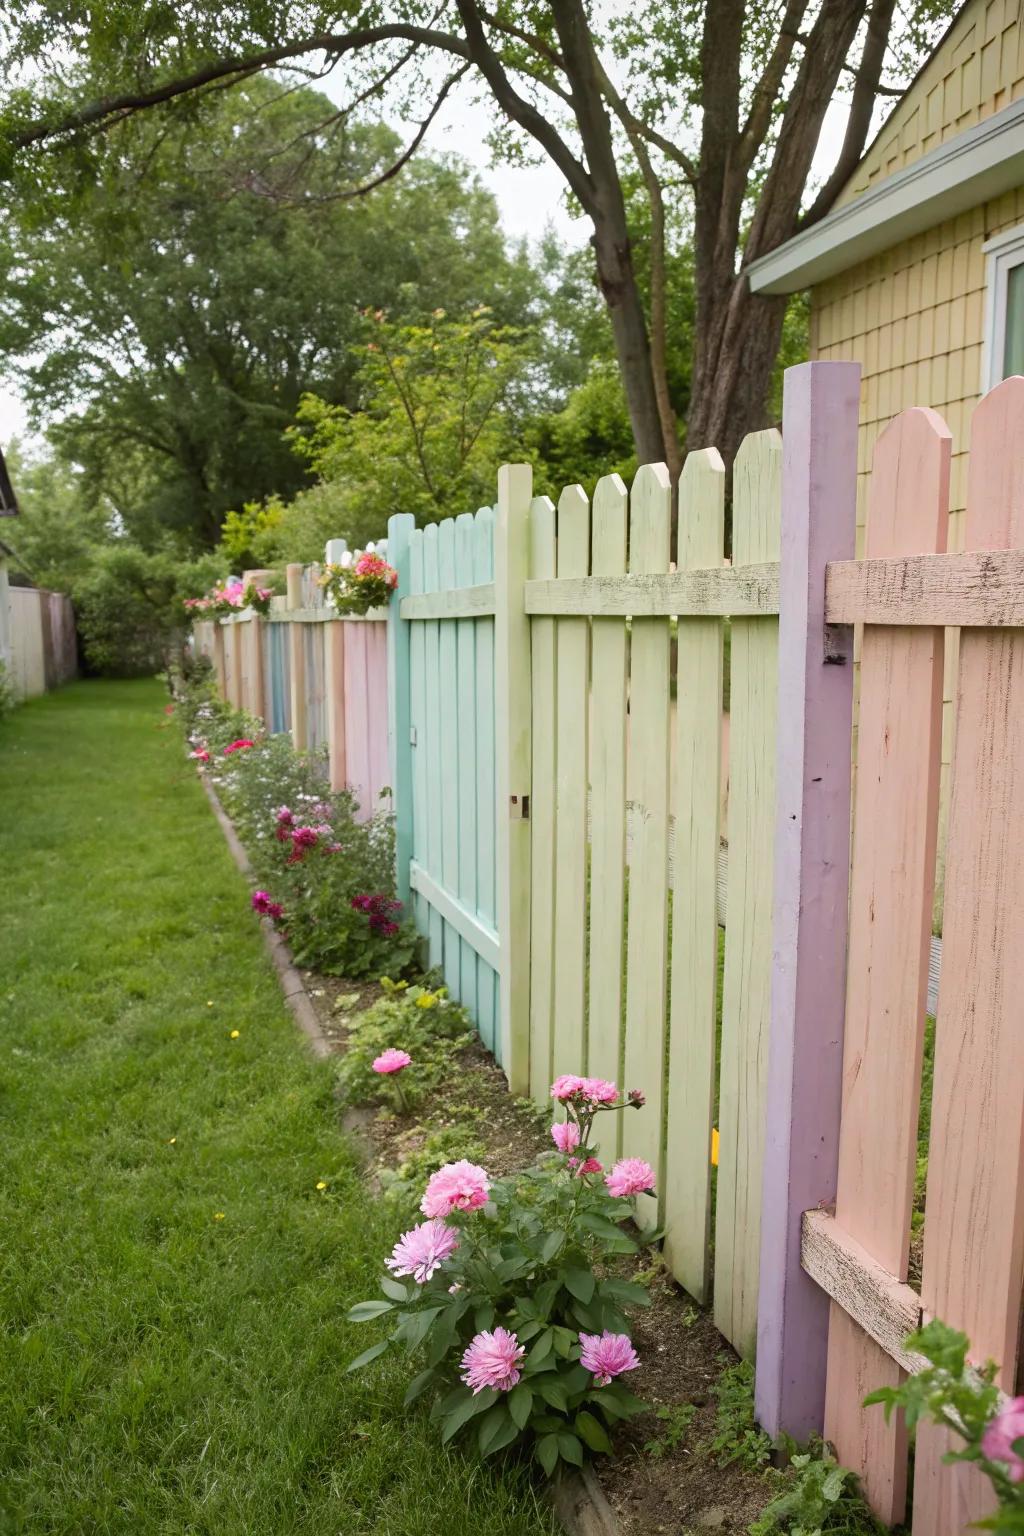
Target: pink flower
{"x": 423, "y": 1250}
{"x": 260, "y": 901}
{"x": 275, "y": 911}
{"x": 458, "y": 1186}
{"x": 201, "y": 755}
{"x": 589, "y": 1165}
{"x": 636, "y": 1098}
{"x": 630, "y": 1176}
{"x": 599, "y": 1091}
{"x": 997, "y": 1443}
{"x": 305, "y": 837}
{"x": 566, "y": 1087}
{"x": 565, "y": 1135}
{"x": 606, "y": 1355}
{"x": 492, "y": 1360}
{"x": 168, "y": 709}
{"x": 284, "y": 817}
{"x": 238, "y": 746}
{"x": 391, "y": 1060}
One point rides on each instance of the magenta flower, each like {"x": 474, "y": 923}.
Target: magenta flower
{"x": 630, "y": 1176}
{"x": 606, "y": 1355}
{"x": 598, "y": 1090}
{"x": 422, "y": 1250}
{"x": 636, "y": 1098}
{"x": 492, "y": 1360}
{"x": 566, "y": 1087}
{"x": 391, "y": 1060}
{"x": 589, "y": 1165}
{"x": 241, "y": 745}
{"x": 260, "y": 901}
{"x": 304, "y": 837}
{"x": 458, "y": 1186}
{"x": 1000, "y": 1437}
{"x": 275, "y": 911}
{"x": 565, "y": 1135}
{"x": 201, "y": 755}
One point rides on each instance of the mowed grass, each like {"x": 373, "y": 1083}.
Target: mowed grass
{"x": 163, "y": 1370}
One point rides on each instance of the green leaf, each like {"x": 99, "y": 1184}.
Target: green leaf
{"x": 468, "y": 1409}
{"x": 575, "y": 1379}
{"x": 491, "y": 1435}
{"x": 569, "y": 1448}
{"x": 540, "y": 1351}
{"x": 553, "y": 1393}
{"x": 591, "y": 1432}
{"x": 483, "y": 1317}
{"x": 367, "y": 1355}
{"x": 544, "y": 1296}
{"x": 550, "y": 1246}
{"x": 416, "y": 1326}
{"x": 364, "y": 1310}
{"x": 580, "y": 1282}
{"x": 520, "y": 1402}
{"x": 625, "y": 1293}
{"x": 600, "y": 1226}
{"x": 546, "y": 1453}
{"x": 417, "y": 1387}
{"x": 394, "y": 1288}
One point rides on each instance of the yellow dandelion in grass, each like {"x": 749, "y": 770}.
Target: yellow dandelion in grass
{"x": 209, "y": 1002}
{"x": 171, "y": 1140}
{"x": 218, "y": 1215}
{"x": 235, "y": 1034}
{"x": 322, "y": 1184}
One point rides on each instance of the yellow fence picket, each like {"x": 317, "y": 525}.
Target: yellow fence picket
{"x": 542, "y": 810}
{"x": 691, "y": 1087}
{"x": 650, "y": 518}
{"x": 746, "y": 988}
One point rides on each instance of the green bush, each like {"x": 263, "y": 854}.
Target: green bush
{"x": 425, "y": 1024}
{"x": 822, "y": 1500}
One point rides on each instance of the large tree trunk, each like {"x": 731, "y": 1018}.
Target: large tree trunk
{"x": 617, "y": 280}
{"x": 736, "y": 345}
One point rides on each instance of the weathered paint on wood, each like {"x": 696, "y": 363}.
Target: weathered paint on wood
{"x": 400, "y": 529}
{"x": 486, "y": 803}
{"x": 975, "y": 588}
{"x": 297, "y": 663}
{"x": 418, "y": 729}
{"x": 468, "y": 602}
{"x": 811, "y": 862}
{"x": 447, "y": 805}
{"x": 974, "y": 1214}
{"x": 885, "y": 1308}
{"x": 691, "y": 1078}
{"x": 465, "y": 645}
{"x": 715, "y": 592}
{"x": 432, "y": 745}
{"x": 608, "y": 702}
{"x": 513, "y": 766}
{"x": 572, "y": 693}
{"x": 891, "y": 897}
{"x": 543, "y": 875}
{"x": 648, "y": 774}
{"x": 746, "y": 990}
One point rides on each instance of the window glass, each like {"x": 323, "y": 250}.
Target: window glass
{"x": 1013, "y": 345}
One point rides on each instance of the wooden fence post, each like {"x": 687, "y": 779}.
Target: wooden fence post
{"x": 334, "y": 681}
{"x": 513, "y": 766}
{"x": 811, "y": 883}
{"x": 297, "y": 661}
{"x": 400, "y": 527}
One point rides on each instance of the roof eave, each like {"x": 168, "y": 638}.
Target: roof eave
{"x": 983, "y": 162}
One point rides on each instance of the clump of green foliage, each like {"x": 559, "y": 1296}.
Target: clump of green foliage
{"x": 737, "y": 1437}
{"x": 425, "y": 1024}
{"x": 677, "y": 1420}
{"x": 821, "y": 1499}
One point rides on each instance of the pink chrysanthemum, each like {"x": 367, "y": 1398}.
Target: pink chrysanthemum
{"x": 565, "y": 1135}
{"x": 1000, "y": 1437}
{"x": 241, "y": 745}
{"x": 492, "y": 1360}
{"x": 422, "y": 1250}
{"x": 261, "y": 901}
{"x": 201, "y": 755}
{"x": 630, "y": 1176}
{"x": 598, "y": 1090}
{"x": 589, "y": 1165}
{"x": 606, "y": 1355}
{"x": 305, "y": 837}
{"x": 458, "y": 1186}
{"x": 391, "y": 1060}
{"x": 566, "y": 1087}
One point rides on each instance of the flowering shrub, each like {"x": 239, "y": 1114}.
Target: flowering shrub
{"x": 421, "y": 1025}
{"x": 967, "y": 1401}
{"x": 367, "y": 583}
{"x": 306, "y": 845}
{"x": 504, "y": 1292}
{"x": 229, "y": 597}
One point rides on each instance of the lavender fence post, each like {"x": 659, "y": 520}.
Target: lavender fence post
{"x": 812, "y": 858}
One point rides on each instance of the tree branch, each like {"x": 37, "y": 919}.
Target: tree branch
{"x": 858, "y": 124}
{"x": 762, "y": 102}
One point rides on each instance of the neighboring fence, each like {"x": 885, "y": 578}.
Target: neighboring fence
{"x": 40, "y": 639}
{"x": 558, "y": 831}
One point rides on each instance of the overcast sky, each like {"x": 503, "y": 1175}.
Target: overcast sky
{"x": 528, "y": 199}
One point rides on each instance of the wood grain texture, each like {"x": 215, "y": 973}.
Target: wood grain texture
{"x": 417, "y": 731}
{"x": 297, "y": 663}
{"x": 431, "y": 744}
{"x": 607, "y": 801}
{"x": 746, "y": 989}
{"x": 891, "y": 897}
{"x": 465, "y": 642}
{"x": 513, "y": 760}
{"x": 974, "y": 1213}
{"x": 486, "y": 805}
{"x": 648, "y": 776}
{"x": 714, "y": 592}
{"x": 446, "y": 809}
{"x": 334, "y": 688}
{"x": 886, "y": 1309}
{"x": 972, "y": 589}
{"x": 472, "y": 601}
{"x": 543, "y": 874}
{"x": 691, "y": 1076}
{"x": 399, "y": 643}
{"x": 572, "y": 693}
{"x": 810, "y": 888}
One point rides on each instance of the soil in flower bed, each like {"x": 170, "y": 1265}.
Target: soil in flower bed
{"x": 674, "y": 1489}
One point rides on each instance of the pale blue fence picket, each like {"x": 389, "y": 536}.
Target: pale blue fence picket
{"x": 276, "y": 671}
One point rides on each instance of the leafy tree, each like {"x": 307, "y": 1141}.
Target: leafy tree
{"x": 174, "y": 309}
{"x": 720, "y": 104}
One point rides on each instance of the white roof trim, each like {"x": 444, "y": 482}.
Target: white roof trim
{"x": 981, "y": 163}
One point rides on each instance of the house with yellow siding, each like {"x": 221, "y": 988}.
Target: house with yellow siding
{"x": 918, "y": 271}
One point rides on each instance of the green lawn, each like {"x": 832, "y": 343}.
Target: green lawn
{"x": 163, "y": 1370}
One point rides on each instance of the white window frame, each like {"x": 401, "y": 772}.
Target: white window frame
{"x": 1002, "y": 253}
